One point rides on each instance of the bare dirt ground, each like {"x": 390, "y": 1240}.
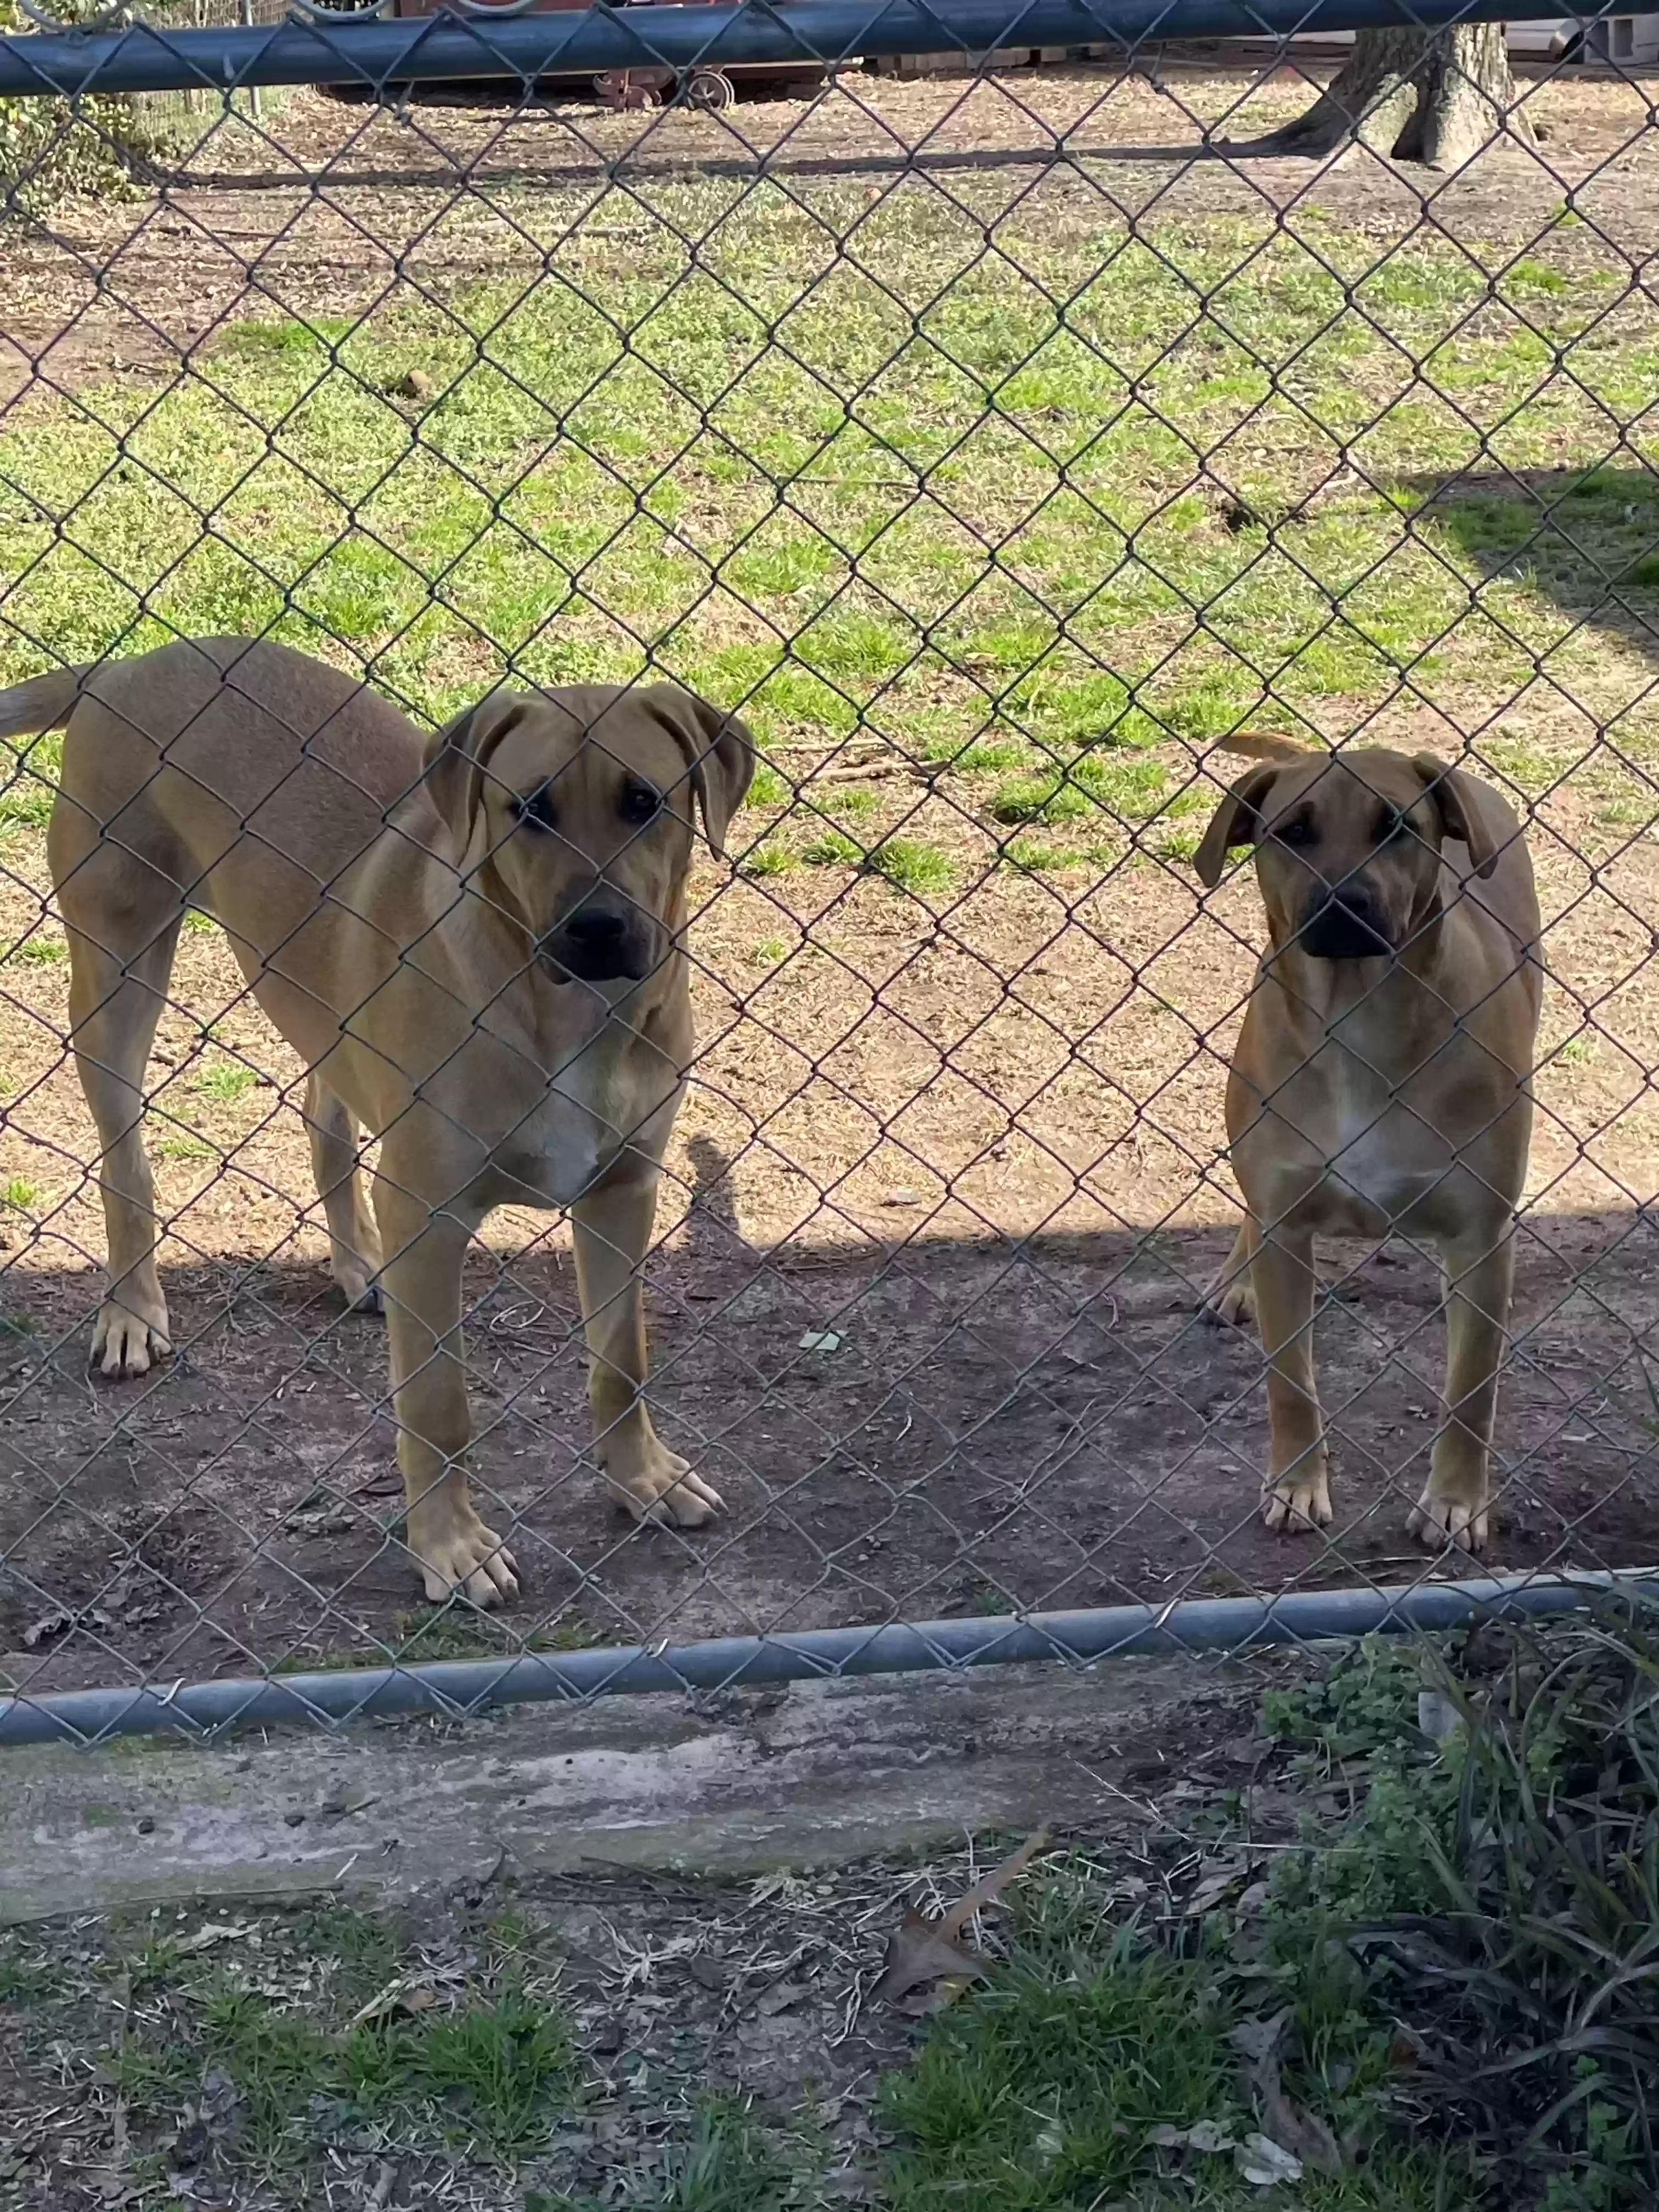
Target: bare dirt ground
{"x": 982, "y": 1151}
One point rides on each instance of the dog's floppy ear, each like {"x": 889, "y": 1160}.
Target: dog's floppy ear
{"x": 1457, "y": 799}
{"x": 456, "y": 757}
{"x": 719, "y": 754}
{"x": 1233, "y": 822}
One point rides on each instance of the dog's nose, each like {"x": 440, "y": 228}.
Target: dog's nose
{"x": 598, "y": 943}
{"x": 1346, "y": 924}
{"x": 594, "y": 930}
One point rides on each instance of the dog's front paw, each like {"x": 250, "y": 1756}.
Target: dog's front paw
{"x": 126, "y": 1344}
{"x": 659, "y": 1486}
{"x": 1230, "y": 1304}
{"x": 1440, "y": 1523}
{"x": 460, "y": 1557}
{"x": 1299, "y": 1502}
{"x": 359, "y": 1278}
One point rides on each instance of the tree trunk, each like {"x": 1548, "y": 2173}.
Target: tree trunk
{"x": 1435, "y": 99}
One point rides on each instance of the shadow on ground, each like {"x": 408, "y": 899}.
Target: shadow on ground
{"x": 909, "y": 1428}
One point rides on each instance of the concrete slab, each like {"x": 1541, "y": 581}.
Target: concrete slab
{"x": 814, "y": 1774}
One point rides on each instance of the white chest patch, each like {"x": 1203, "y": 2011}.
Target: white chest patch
{"x": 1380, "y": 1156}
{"x": 561, "y": 1149}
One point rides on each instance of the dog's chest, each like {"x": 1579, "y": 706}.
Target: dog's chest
{"x": 1385, "y": 1159}
{"x": 562, "y": 1147}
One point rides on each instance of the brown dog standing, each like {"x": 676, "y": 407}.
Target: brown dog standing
{"x": 474, "y": 943}
{"x": 1380, "y": 1082}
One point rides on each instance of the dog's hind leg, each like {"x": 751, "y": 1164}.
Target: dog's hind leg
{"x": 115, "y": 1002}
{"x": 354, "y": 1241}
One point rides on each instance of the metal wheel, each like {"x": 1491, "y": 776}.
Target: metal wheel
{"x": 711, "y": 90}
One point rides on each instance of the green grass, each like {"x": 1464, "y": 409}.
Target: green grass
{"x": 1046, "y": 2092}
{"x": 1087, "y": 788}
{"x": 1033, "y": 857}
{"x": 909, "y": 864}
{"x": 19, "y": 1194}
{"x": 912, "y": 866}
{"x": 183, "y": 1147}
{"x": 1494, "y": 1894}
{"x": 772, "y": 858}
{"x": 1508, "y": 1877}
{"x": 490, "y": 2076}
{"x": 40, "y": 952}
{"x": 28, "y": 780}
{"x": 728, "y": 2162}
{"x": 854, "y": 804}
{"x": 834, "y": 849}
{"x": 768, "y": 788}
{"x": 224, "y": 1080}
{"x": 592, "y": 488}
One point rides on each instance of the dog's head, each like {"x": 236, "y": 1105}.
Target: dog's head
{"x": 1348, "y": 846}
{"x": 574, "y": 810}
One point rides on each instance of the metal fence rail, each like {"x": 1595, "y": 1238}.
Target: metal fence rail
{"x": 999, "y": 447}
{"x": 487, "y": 41}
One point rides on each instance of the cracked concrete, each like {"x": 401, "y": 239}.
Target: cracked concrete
{"x": 814, "y": 1774}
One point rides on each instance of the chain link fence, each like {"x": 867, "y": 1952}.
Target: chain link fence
{"x": 1000, "y": 447}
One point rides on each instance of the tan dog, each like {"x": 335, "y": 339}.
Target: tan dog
{"x": 474, "y": 943}
{"x": 1381, "y": 1079}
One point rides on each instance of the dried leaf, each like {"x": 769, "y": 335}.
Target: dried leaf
{"x": 1261, "y": 2040}
{"x": 399, "y": 1996}
{"x": 780, "y": 1997}
{"x": 1302, "y": 2133}
{"x": 55, "y": 1623}
{"x": 989, "y": 1888}
{"x": 821, "y": 1339}
{"x": 1436, "y": 1715}
{"x": 211, "y": 1932}
{"x": 1261, "y": 2160}
{"x": 927, "y": 1965}
{"x": 924, "y": 1968}
{"x": 1208, "y": 2137}
{"x": 350, "y": 1799}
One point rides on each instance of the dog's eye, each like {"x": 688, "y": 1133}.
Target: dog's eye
{"x": 1298, "y": 831}
{"x": 1390, "y": 824}
{"x": 637, "y": 801}
{"x": 536, "y": 811}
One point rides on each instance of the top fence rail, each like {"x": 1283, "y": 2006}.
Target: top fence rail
{"x": 483, "y": 40}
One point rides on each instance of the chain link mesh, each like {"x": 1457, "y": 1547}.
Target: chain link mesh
{"x": 997, "y": 445}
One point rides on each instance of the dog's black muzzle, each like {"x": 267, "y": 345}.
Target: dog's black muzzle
{"x": 1345, "y": 925}
{"x": 602, "y": 941}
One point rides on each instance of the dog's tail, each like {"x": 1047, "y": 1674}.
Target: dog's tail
{"x": 44, "y": 703}
{"x": 1249, "y": 744}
